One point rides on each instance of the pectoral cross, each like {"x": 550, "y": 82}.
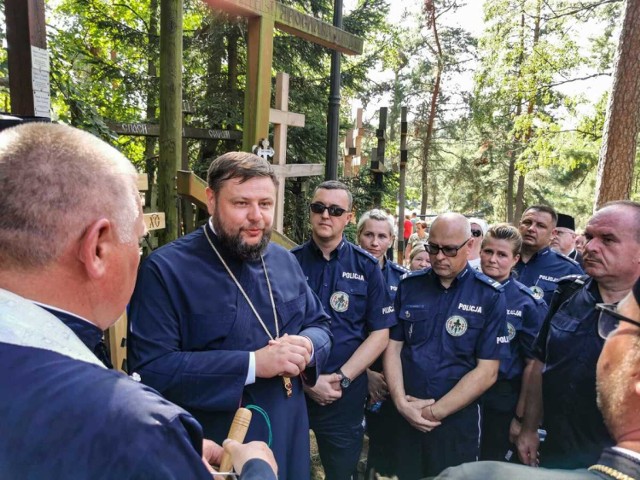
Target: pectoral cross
{"x": 288, "y": 386}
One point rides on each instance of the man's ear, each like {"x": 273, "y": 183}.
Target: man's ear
{"x": 95, "y": 245}
{"x": 211, "y": 200}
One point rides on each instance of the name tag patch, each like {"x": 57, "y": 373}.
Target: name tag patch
{"x": 353, "y": 276}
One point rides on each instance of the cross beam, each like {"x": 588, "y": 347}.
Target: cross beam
{"x": 264, "y": 16}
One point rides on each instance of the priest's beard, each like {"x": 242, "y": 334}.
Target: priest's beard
{"x": 235, "y": 244}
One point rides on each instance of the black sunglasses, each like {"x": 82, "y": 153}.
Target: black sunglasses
{"x": 609, "y": 319}
{"x": 433, "y": 249}
{"x": 321, "y": 207}
{"x": 476, "y": 233}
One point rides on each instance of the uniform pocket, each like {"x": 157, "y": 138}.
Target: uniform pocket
{"x": 350, "y": 299}
{"x": 416, "y": 324}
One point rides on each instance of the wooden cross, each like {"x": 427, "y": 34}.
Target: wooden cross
{"x": 282, "y": 118}
{"x": 353, "y": 146}
{"x": 264, "y": 16}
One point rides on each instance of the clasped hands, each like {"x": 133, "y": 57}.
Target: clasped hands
{"x": 418, "y": 412}
{"x": 286, "y": 356}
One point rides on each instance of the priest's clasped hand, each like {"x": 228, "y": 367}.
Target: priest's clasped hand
{"x": 286, "y": 356}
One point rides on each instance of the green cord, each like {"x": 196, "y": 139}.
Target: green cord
{"x": 266, "y": 419}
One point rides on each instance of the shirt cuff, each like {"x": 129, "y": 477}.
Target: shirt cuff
{"x": 312, "y": 360}
{"x": 251, "y": 373}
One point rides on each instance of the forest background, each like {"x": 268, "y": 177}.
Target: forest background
{"x": 522, "y": 129}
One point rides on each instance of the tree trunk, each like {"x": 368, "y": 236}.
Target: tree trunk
{"x": 426, "y": 147}
{"x": 510, "y": 179}
{"x": 519, "y": 199}
{"x": 170, "y": 114}
{"x": 618, "y": 151}
{"x": 152, "y": 104}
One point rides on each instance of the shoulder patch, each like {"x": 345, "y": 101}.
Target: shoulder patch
{"x": 488, "y": 280}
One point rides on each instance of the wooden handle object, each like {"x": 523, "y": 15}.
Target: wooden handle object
{"x": 237, "y": 432}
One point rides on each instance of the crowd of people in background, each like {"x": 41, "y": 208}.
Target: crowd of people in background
{"x": 507, "y": 343}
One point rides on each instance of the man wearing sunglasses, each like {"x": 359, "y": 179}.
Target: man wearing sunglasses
{"x": 618, "y": 394}
{"x": 352, "y": 290}
{"x": 444, "y": 353}
{"x": 568, "y": 346}
{"x": 539, "y": 267}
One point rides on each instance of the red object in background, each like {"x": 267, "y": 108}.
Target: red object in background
{"x": 408, "y": 229}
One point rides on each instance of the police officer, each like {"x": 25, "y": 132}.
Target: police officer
{"x": 568, "y": 346}
{"x": 539, "y": 267}
{"x": 503, "y": 403}
{"x": 444, "y": 353}
{"x": 351, "y": 288}
{"x": 375, "y": 234}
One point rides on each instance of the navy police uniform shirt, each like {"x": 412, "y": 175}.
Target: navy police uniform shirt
{"x": 392, "y": 273}
{"x": 525, "y": 314}
{"x": 352, "y": 290}
{"x": 542, "y": 271}
{"x": 569, "y": 345}
{"x": 445, "y": 330}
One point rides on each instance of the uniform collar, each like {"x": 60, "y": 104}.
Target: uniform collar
{"x": 338, "y": 252}
{"x": 461, "y": 277}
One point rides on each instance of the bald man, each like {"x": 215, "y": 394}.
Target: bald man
{"x": 444, "y": 353}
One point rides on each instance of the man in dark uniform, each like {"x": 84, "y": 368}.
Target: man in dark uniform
{"x": 563, "y": 238}
{"x": 349, "y": 283}
{"x": 66, "y": 276}
{"x": 539, "y": 267}
{"x": 221, "y": 317}
{"x": 618, "y": 399}
{"x": 444, "y": 353}
{"x": 568, "y": 346}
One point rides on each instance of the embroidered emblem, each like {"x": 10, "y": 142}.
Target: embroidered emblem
{"x": 538, "y": 293}
{"x": 339, "y": 301}
{"x": 511, "y": 331}
{"x": 456, "y": 326}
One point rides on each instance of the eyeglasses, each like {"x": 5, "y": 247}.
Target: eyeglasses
{"x": 609, "y": 319}
{"x": 321, "y": 207}
{"x": 476, "y": 233}
{"x": 448, "y": 251}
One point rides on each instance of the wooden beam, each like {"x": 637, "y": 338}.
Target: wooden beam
{"x": 294, "y": 22}
{"x": 153, "y": 130}
{"x": 286, "y": 118}
{"x": 192, "y": 187}
{"x": 298, "y": 170}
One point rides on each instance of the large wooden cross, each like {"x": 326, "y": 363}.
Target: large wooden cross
{"x": 264, "y": 16}
{"x": 282, "y": 118}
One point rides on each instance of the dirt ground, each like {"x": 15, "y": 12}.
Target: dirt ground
{"x": 316, "y": 466}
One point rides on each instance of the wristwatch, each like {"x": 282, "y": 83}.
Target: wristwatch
{"x": 344, "y": 380}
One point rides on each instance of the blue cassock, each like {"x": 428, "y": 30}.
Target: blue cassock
{"x": 543, "y": 270}
{"x": 191, "y": 331}
{"x": 67, "y": 419}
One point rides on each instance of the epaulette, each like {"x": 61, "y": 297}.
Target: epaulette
{"x": 415, "y": 273}
{"x": 564, "y": 257}
{"x": 529, "y": 292}
{"x": 566, "y": 287}
{"x": 488, "y": 280}
{"x": 398, "y": 267}
{"x": 362, "y": 251}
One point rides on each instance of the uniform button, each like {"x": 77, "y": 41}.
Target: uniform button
{"x": 407, "y": 314}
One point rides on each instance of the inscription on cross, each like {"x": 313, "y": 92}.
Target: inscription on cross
{"x": 263, "y": 17}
